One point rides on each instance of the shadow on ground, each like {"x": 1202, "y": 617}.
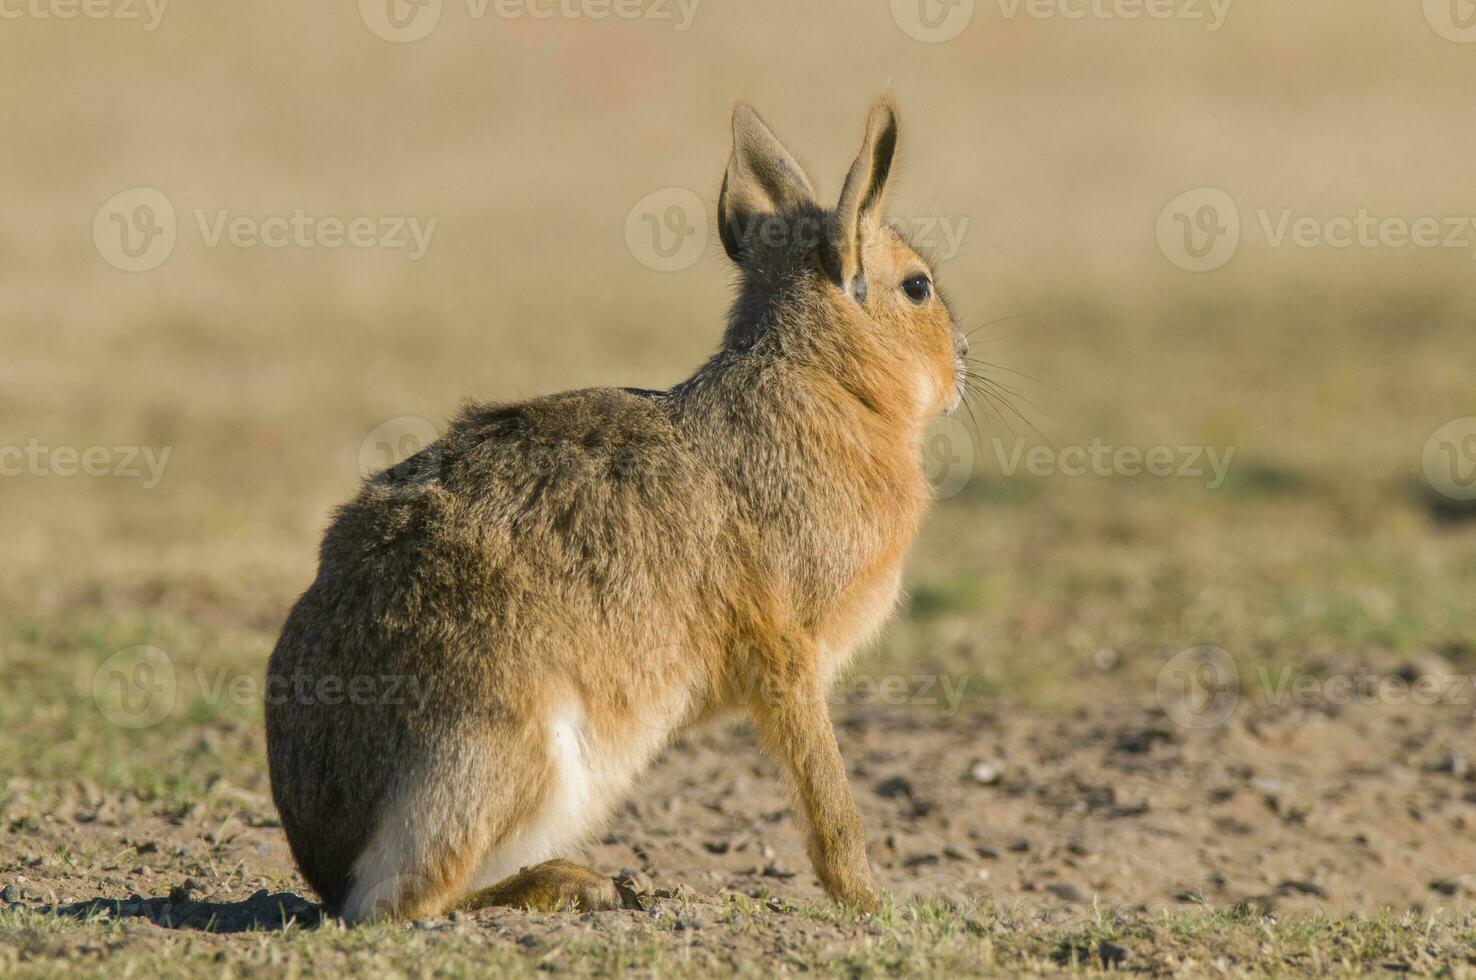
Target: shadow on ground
{"x": 262, "y": 912}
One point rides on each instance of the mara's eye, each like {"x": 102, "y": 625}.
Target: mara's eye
{"x": 918, "y": 288}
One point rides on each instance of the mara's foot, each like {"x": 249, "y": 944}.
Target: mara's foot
{"x": 556, "y": 884}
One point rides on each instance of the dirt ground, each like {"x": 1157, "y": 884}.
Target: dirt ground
{"x": 1278, "y": 811}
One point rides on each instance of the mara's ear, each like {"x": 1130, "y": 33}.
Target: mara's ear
{"x": 863, "y": 198}
{"x": 762, "y": 179}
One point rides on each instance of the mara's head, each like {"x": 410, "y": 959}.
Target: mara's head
{"x": 837, "y": 284}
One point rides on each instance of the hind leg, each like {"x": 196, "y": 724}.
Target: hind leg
{"x": 482, "y": 830}
{"x": 416, "y": 864}
{"x": 548, "y": 886}
{"x": 432, "y": 836}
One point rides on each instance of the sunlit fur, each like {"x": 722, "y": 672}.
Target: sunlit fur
{"x": 574, "y": 579}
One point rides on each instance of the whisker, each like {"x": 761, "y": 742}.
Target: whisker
{"x": 972, "y": 419}
{"x": 1012, "y": 316}
{"x": 991, "y": 366}
{"x": 991, "y": 402}
{"x": 1016, "y": 393}
{"x": 1004, "y": 399}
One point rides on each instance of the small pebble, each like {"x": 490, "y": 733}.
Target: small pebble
{"x": 1302, "y": 886}
{"x": 894, "y": 787}
{"x": 985, "y": 773}
{"x": 1066, "y": 891}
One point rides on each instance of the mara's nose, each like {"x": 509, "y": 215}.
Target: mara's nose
{"x": 963, "y": 346}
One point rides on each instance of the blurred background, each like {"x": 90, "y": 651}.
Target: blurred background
{"x": 1113, "y": 201}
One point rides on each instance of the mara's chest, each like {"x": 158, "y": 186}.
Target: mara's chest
{"x": 858, "y": 614}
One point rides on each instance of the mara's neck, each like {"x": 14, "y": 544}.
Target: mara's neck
{"x": 808, "y": 440}
{"x": 823, "y": 492}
